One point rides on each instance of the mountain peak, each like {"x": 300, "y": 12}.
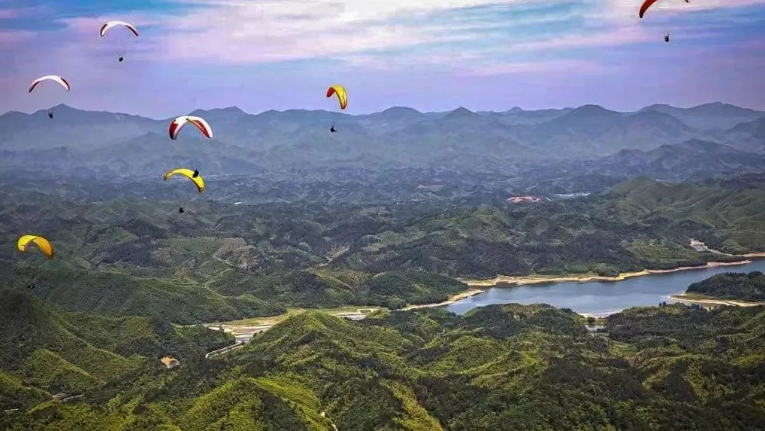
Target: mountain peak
{"x": 720, "y": 108}
{"x": 461, "y": 112}
{"x": 400, "y": 110}
{"x": 707, "y": 146}
{"x": 592, "y": 110}
{"x": 660, "y": 107}
{"x": 228, "y": 111}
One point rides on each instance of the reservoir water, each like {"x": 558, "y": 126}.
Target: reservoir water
{"x": 601, "y": 297}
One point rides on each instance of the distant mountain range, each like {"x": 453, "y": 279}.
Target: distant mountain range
{"x": 692, "y": 160}
{"x": 660, "y": 138}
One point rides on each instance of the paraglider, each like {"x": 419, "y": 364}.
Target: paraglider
{"x": 647, "y": 4}
{"x": 39, "y": 241}
{"x": 177, "y": 124}
{"x": 55, "y": 78}
{"x": 342, "y": 98}
{"x": 111, "y": 24}
{"x": 188, "y": 173}
{"x": 342, "y": 95}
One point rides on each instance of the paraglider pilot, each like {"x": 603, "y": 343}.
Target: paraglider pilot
{"x": 332, "y": 129}
{"x": 121, "y": 58}
{"x": 666, "y": 37}
{"x": 196, "y": 174}
{"x": 50, "y": 114}
{"x": 180, "y": 210}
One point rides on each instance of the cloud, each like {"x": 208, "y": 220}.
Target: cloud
{"x": 376, "y": 33}
{"x": 229, "y": 48}
{"x": 578, "y": 67}
{"x": 612, "y": 37}
{"x": 15, "y": 13}
{"x": 270, "y": 31}
{"x": 13, "y": 38}
{"x": 10, "y": 13}
{"x": 625, "y": 11}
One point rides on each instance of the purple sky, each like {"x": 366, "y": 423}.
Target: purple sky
{"x": 427, "y": 54}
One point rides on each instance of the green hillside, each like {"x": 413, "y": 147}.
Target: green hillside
{"x": 78, "y": 353}
{"x": 731, "y": 285}
{"x": 497, "y": 368}
{"x": 220, "y": 261}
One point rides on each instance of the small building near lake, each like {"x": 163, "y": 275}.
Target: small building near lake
{"x": 698, "y": 245}
{"x": 519, "y": 199}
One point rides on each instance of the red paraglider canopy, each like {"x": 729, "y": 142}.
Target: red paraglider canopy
{"x": 645, "y": 7}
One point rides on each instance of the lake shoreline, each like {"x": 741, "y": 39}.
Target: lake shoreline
{"x": 478, "y": 287}
{"x": 452, "y": 299}
{"x": 712, "y": 301}
{"x": 503, "y": 280}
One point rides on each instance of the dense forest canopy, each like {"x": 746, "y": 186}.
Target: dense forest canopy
{"x": 746, "y": 287}
{"x": 497, "y": 368}
{"x": 223, "y": 261}
{"x": 131, "y": 277}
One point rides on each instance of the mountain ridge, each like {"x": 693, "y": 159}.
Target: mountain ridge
{"x": 515, "y": 109}
{"x": 398, "y": 137}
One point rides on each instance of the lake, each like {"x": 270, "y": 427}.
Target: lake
{"x": 601, "y": 297}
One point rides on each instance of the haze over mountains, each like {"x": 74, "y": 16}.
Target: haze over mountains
{"x": 707, "y": 140}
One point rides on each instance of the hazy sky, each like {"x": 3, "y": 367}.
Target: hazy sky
{"x": 427, "y": 54}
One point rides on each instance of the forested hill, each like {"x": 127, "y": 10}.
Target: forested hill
{"x": 741, "y": 286}
{"x": 221, "y": 261}
{"x": 44, "y": 351}
{"x": 498, "y": 368}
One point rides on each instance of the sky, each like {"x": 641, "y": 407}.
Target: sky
{"x": 432, "y": 55}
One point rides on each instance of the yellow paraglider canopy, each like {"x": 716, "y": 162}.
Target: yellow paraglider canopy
{"x": 342, "y": 95}
{"x": 41, "y": 243}
{"x": 188, "y": 173}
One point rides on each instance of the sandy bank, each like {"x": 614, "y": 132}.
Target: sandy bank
{"x": 537, "y": 279}
{"x": 451, "y": 300}
{"x": 712, "y": 301}
{"x": 708, "y": 265}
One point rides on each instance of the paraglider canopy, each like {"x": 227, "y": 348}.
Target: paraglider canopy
{"x": 198, "y": 122}
{"x": 55, "y": 78}
{"x": 342, "y": 95}
{"x": 647, "y": 4}
{"x": 41, "y": 243}
{"x": 645, "y": 7}
{"x": 111, "y": 24}
{"x": 188, "y": 173}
